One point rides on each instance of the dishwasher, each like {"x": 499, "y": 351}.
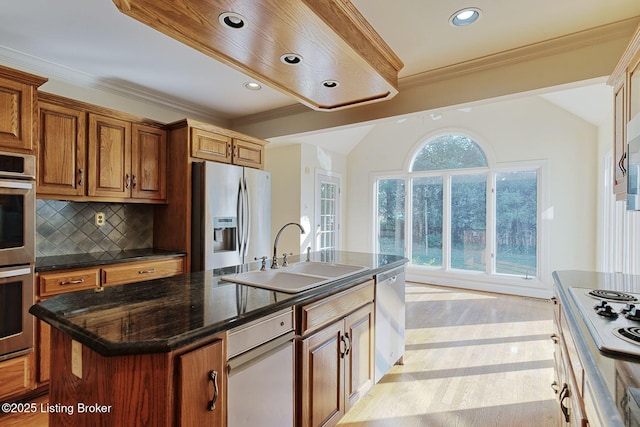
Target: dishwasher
{"x": 390, "y": 318}
{"x": 260, "y": 388}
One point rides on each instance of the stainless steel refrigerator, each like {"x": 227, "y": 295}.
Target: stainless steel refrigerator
{"x": 231, "y": 215}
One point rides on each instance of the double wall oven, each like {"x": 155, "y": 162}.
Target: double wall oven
{"x": 17, "y": 252}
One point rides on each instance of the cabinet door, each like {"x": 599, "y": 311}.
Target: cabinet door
{"x": 201, "y": 386}
{"x": 322, "y": 377}
{"x": 16, "y": 376}
{"x": 359, "y": 366}
{"x": 44, "y": 351}
{"x": 61, "y": 151}
{"x": 620, "y": 142}
{"x": 109, "y": 157}
{"x": 16, "y": 115}
{"x": 634, "y": 87}
{"x": 246, "y": 153}
{"x": 148, "y": 163}
{"x": 210, "y": 146}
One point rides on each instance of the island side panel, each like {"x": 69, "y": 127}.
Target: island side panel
{"x": 113, "y": 391}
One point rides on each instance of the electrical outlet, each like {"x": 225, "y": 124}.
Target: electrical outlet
{"x": 100, "y": 219}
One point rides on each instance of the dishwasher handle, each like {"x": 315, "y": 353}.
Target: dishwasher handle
{"x": 249, "y": 358}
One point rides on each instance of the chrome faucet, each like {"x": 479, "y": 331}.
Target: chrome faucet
{"x": 274, "y": 261}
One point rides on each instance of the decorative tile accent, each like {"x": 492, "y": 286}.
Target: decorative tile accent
{"x": 64, "y": 228}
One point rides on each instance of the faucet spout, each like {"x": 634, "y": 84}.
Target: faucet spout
{"x": 274, "y": 262}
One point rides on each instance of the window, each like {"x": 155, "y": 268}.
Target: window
{"x": 460, "y": 214}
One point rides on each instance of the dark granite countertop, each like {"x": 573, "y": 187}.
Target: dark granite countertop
{"x": 165, "y": 314}
{"x": 609, "y": 376}
{"x": 92, "y": 259}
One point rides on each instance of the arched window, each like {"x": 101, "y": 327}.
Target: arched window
{"x": 449, "y": 152}
{"x": 452, "y": 211}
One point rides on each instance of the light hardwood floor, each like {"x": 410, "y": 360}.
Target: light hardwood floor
{"x": 472, "y": 360}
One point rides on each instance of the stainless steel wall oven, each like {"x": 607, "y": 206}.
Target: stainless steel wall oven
{"x": 17, "y": 251}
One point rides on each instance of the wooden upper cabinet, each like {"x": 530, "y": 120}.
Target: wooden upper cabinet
{"x": 61, "y": 151}
{"x": 89, "y": 153}
{"x": 18, "y": 110}
{"x": 247, "y": 153}
{"x": 210, "y": 145}
{"x": 634, "y": 87}
{"x": 148, "y": 163}
{"x": 109, "y": 157}
{"x": 209, "y": 142}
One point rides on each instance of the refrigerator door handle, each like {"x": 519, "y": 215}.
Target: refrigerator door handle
{"x": 247, "y": 232}
{"x": 240, "y": 221}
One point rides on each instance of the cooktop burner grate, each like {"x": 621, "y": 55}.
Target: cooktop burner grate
{"x": 630, "y": 334}
{"x": 609, "y": 295}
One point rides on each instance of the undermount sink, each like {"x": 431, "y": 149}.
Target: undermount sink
{"x": 295, "y": 277}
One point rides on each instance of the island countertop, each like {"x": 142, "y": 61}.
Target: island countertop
{"x": 165, "y": 314}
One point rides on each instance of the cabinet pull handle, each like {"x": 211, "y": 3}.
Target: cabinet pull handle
{"x": 127, "y": 181}
{"x": 213, "y": 377}
{"x": 621, "y": 164}
{"x": 81, "y": 177}
{"x": 72, "y": 282}
{"x": 348, "y": 343}
{"x": 153, "y": 270}
{"x": 135, "y": 181}
{"x": 563, "y": 395}
{"x": 555, "y": 386}
{"x": 555, "y": 338}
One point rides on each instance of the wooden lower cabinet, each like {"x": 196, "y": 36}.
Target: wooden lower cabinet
{"x": 201, "y": 386}
{"x": 336, "y": 362}
{"x": 161, "y": 389}
{"x": 569, "y": 382}
{"x": 17, "y": 376}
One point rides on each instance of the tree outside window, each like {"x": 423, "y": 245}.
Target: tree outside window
{"x": 453, "y": 196}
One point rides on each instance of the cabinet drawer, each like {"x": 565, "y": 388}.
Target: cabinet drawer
{"x": 248, "y": 336}
{"x": 139, "y": 271}
{"x": 16, "y": 376}
{"x": 332, "y": 308}
{"x": 60, "y": 282}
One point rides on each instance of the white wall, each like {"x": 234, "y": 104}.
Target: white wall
{"x": 515, "y": 130}
{"x": 293, "y": 170}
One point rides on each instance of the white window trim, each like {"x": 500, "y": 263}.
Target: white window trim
{"x": 539, "y": 287}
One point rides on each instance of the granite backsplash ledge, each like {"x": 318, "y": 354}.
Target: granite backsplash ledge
{"x": 64, "y": 227}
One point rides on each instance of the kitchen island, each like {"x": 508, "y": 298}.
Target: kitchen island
{"x": 594, "y": 381}
{"x": 127, "y": 354}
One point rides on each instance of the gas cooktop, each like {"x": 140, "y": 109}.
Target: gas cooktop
{"x": 613, "y": 319}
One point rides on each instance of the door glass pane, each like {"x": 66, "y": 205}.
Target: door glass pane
{"x": 468, "y": 221}
{"x": 328, "y": 212}
{"x": 391, "y": 197}
{"x": 426, "y": 226}
{"x": 516, "y": 222}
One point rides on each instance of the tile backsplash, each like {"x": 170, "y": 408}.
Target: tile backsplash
{"x": 64, "y": 228}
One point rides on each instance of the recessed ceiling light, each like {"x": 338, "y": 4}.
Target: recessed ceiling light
{"x": 252, "y": 86}
{"x": 232, "y": 20}
{"x": 465, "y": 16}
{"x": 330, "y": 83}
{"x": 436, "y": 116}
{"x": 291, "y": 58}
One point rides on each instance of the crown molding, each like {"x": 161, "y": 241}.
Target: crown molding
{"x": 558, "y": 45}
{"x": 53, "y": 71}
